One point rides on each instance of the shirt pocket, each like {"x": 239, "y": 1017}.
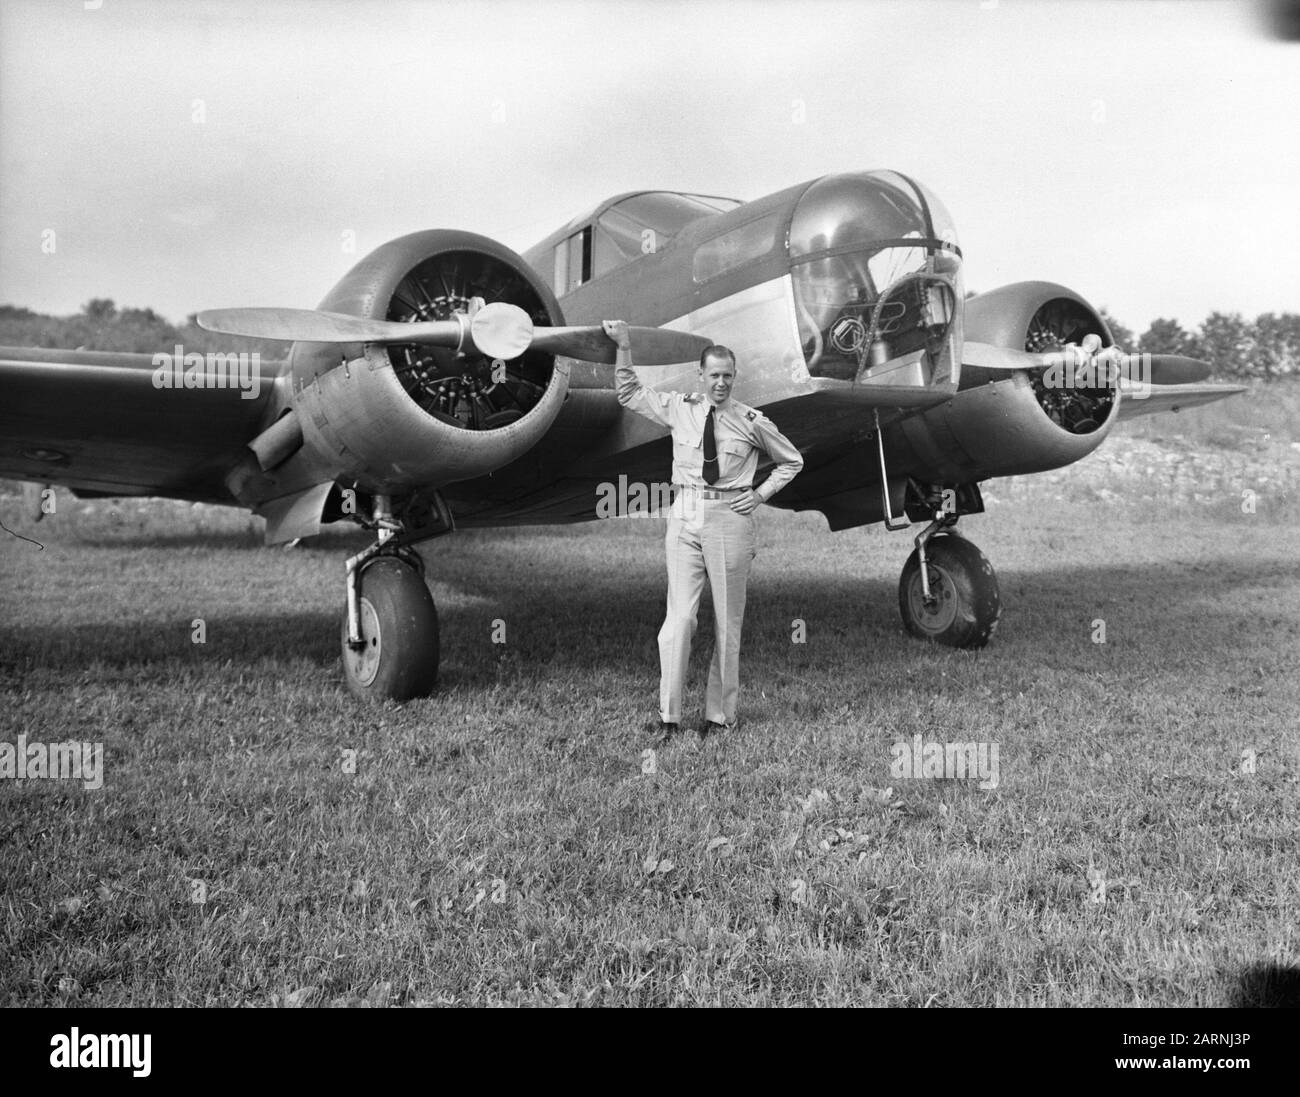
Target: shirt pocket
{"x": 732, "y": 455}
{"x": 688, "y": 449}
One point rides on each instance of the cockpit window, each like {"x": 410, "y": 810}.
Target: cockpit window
{"x": 888, "y": 265}
{"x": 644, "y": 223}
{"x": 669, "y": 212}
{"x": 877, "y": 279}
{"x": 713, "y": 202}
{"x": 619, "y": 239}
{"x": 843, "y": 211}
{"x": 743, "y": 244}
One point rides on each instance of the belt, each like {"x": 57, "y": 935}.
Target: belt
{"x": 711, "y": 493}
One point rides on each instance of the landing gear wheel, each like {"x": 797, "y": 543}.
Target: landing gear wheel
{"x": 399, "y": 624}
{"x": 965, "y": 606}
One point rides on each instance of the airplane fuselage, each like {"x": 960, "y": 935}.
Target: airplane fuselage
{"x": 795, "y": 283}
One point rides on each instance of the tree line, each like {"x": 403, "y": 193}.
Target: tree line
{"x": 101, "y": 325}
{"x": 1266, "y": 348}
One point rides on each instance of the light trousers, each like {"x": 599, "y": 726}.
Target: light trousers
{"x": 705, "y": 539}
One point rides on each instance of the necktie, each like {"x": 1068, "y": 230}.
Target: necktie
{"x": 710, "y": 450}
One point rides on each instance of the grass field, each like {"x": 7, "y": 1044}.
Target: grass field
{"x": 262, "y": 839}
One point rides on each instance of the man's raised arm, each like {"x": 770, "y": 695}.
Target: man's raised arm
{"x": 631, "y": 393}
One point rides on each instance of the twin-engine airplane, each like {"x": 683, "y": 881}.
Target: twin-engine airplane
{"x": 438, "y": 386}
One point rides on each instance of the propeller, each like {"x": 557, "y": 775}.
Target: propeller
{"x": 497, "y": 330}
{"x": 1151, "y": 369}
{"x": 650, "y": 346}
{"x": 1167, "y": 369}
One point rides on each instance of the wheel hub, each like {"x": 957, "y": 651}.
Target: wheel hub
{"x": 941, "y": 611}
{"x": 363, "y": 661}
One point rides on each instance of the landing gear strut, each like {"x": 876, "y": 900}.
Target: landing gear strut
{"x": 390, "y": 629}
{"x": 948, "y": 592}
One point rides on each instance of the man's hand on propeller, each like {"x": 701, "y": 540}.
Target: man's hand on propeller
{"x": 617, "y": 331}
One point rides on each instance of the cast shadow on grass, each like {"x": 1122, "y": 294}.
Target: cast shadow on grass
{"x": 122, "y": 645}
{"x": 1177, "y": 605}
{"x": 1275, "y": 986}
{"x": 609, "y": 620}
{"x": 248, "y": 540}
{"x": 226, "y": 539}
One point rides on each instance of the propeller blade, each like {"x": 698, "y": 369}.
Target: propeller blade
{"x": 498, "y": 330}
{"x": 1172, "y": 369}
{"x": 650, "y": 346}
{"x": 314, "y": 326}
{"x": 1149, "y": 369}
{"x": 1152, "y": 369}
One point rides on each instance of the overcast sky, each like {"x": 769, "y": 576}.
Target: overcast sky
{"x": 194, "y": 155}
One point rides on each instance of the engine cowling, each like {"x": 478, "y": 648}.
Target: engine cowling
{"x": 1029, "y": 421}
{"x": 397, "y": 417}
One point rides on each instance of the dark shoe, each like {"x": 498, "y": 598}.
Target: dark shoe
{"x": 663, "y": 730}
{"x": 710, "y": 728}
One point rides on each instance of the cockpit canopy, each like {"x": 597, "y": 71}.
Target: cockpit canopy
{"x": 634, "y": 226}
{"x": 877, "y": 275}
{"x": 872, "y": 257}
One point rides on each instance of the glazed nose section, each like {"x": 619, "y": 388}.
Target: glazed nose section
{"x": 876, "y": 273}
{"x": 860, "y": 209}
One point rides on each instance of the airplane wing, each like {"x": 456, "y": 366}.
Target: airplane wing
{"x": 99, "y": 423}
{"x": 590, "y": 375}
{"x": 883, "y": 397}
{"x": 1138, "y": 400}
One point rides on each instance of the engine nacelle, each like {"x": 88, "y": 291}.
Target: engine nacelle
{"x": 391, "y": 418}
{"x": 1030, "y": 421}
{"x": 1033, "y": 316}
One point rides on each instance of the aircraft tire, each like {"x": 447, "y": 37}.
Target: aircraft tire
{"x": 963, "y": 580}
{"x": 400, "y": 625}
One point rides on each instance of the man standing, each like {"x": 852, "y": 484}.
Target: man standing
{"x": 716, "y": 443}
